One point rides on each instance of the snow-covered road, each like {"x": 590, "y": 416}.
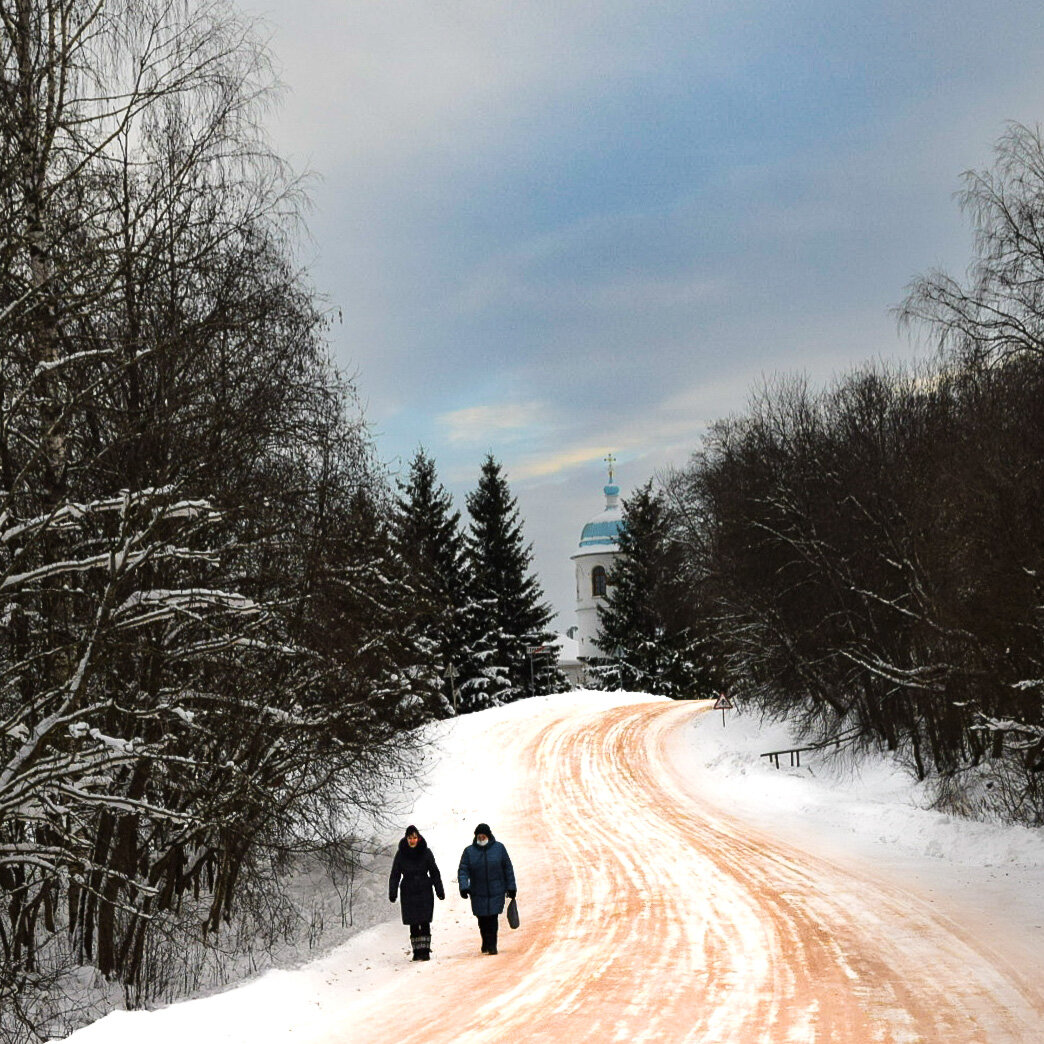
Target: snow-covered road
{"x": 662, "y": 920}
{"x": 649, "y": 914}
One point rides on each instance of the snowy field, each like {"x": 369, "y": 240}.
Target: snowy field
{"x": 870, "y": 818}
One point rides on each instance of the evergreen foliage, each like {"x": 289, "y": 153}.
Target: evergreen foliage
{"x": 647, "y": 623}
{"x": 430, "y": 542}
{"x": 377, "y": 617}
{"x": 510, "y": 616}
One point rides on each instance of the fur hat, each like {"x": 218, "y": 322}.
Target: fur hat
{"x": 483, "y": 828}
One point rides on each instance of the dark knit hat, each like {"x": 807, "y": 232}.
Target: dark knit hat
{"x": 483, "y": 828}
{"x": 411, "y": 829}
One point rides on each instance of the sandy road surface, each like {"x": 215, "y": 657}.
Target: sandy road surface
{"x": 649, "y": 916}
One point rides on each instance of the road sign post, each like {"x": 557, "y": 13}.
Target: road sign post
{"x": 722, "y": 703}
{"x": 533, "y": 650}
{"x": 451, "y": 674}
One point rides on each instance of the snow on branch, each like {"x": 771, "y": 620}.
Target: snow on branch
{"x": 162, "y": 602}
{"x": 986, "y": 723}
{"x": 81, "y": 729}
{"x": 121, "y": 560}
{"x": 124, "y": 804}
{"x": 50, "y": 365}
{"x": 71, "y": 514}
{"x": 913, "y": 677}
{"x": 238, "y": 642}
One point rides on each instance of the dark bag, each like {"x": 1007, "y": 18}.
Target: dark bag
{"x": 512, "y": 914}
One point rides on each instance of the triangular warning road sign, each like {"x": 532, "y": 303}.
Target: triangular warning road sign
{"x": 722, "y": 702}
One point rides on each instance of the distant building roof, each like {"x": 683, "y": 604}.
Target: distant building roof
{"x": 568, "y": 649}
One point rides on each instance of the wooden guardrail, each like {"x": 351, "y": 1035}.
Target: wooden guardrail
{"x": 796, "y": 752}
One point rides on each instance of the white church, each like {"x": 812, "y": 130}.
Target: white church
{"x": 599, "y": 546}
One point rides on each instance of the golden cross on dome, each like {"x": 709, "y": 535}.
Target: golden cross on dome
{"x": 610, "y": 460}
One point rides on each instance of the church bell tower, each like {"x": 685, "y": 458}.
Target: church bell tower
{"x": 593, "y": 560}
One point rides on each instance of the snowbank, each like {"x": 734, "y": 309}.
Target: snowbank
{"x": 870, "y": 815}
{"x": 873, "y": 805}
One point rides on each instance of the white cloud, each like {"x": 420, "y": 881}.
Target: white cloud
{"x": 564, "y": 459}
{"x": 482, "y": 424}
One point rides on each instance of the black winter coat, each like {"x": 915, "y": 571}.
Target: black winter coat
{"x": 416, "y": 870}
{"x": 486, "y": 874}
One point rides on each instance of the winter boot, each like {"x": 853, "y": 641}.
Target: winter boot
{"x": 421, "y": 943}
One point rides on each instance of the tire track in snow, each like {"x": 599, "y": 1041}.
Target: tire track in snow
{"x": 651, "y": 916}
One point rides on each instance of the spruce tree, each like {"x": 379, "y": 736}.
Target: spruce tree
{"x": 512, "y": 615}
{"x": 430, "y": 541}
{"x": 649, "y": 623}
{"x": 374, "y": 614}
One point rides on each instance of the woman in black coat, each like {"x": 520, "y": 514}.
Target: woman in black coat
{"x": 414, "y": 876}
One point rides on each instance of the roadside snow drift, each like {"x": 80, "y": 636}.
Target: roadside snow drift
{"x": 673, "y": 885}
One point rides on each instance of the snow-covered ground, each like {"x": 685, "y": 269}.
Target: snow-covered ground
{"x": 872, "y": 814}
{"x": 869, "y": 817}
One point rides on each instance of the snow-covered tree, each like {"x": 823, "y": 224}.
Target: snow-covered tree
{"x": 178, "y": 459}
{"x": 376, "y": 629}
{"x": 647, "y": 621}
{"x": 510, "y": 615}
{"x": 430, "y": 541}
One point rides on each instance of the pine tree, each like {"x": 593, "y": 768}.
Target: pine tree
{"x": 430, "y": 541}
{"x": 649, "y": 620}
{"x": 512, "y": 615}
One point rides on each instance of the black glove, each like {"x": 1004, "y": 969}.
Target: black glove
{"x": 391, "y": 898}
{"x": 463, "y": 893}
{"x": 441, "y": 895}
{"x": 512, "y": 892}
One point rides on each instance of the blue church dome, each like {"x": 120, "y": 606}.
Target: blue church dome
{"x": 602, "y": 532}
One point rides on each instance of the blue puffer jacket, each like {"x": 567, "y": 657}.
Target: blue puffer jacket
{"x": 486, "y": 873}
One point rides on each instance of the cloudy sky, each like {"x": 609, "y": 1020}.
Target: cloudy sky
{"x": 558, "y": 228}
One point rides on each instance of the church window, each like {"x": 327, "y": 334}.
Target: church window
{"x": 598, "y": 582}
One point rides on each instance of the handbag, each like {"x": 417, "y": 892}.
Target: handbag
{"x": 512, "y": 914}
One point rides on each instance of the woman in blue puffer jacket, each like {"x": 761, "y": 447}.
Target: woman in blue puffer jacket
{"x": 486, "y": 876}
